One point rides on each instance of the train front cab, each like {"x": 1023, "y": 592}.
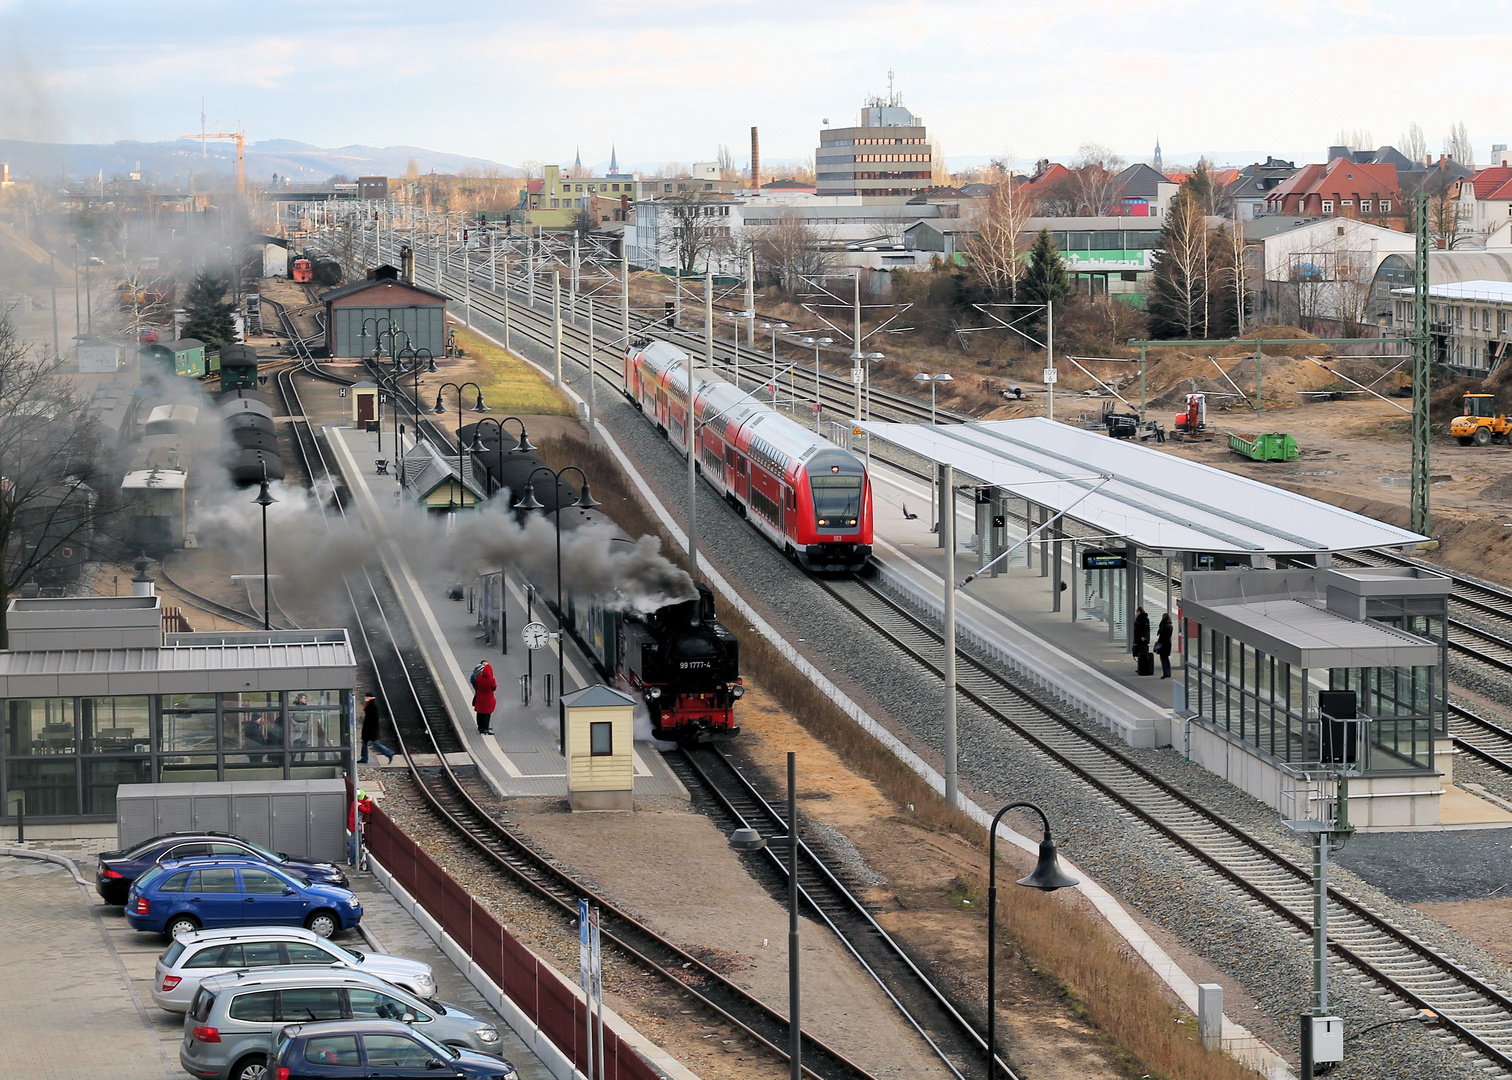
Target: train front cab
{"x": 833, "y": 531}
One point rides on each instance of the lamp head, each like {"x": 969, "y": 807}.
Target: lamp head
{"x": 1048, "y": 875}
{"x": 432, "y": 369}
{"x": 921, "y": 377}
{"x": 747, "y": 840}
{"x": 944, "y": 377}
{"x": 264, "y": 499}
{"x": 439, "y": 406}
{"x": 524, "y": 446}
{"x": 480, "y": 407}
{"x": 826, "y": 341}
{"x": 586, "y": 501}
{"x": 528, "y": 501}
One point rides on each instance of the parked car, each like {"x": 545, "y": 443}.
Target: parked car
{"x": 180, "y": 897}
{"x": 375, "y": 1048}
{"x": 192, "y": 958}
{"x": 230, "y": 1025}
{"x": 118, "y": 869}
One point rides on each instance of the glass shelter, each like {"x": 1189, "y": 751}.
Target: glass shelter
{"x": 94, "y": 694}
{"x": 1318, "y": 668}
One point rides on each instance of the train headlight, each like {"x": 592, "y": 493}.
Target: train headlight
{"x": 654, "y": 692}
{"x": 852, "y": 521}
{"x": 737, "y": 691}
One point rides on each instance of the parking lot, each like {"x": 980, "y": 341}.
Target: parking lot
{"x": 76, "y": 998}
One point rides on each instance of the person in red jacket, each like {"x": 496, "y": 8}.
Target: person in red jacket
{"x": 484, "y": 685}
{"x": 364, "y": 806}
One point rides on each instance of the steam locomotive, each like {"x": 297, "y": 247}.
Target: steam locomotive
{"x": 679, "y": 658}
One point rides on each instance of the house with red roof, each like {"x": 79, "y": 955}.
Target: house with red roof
{"x": 1342, "y": 188}
{"x": 1485, "y": 200}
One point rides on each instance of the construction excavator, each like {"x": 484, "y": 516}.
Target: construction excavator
{"x": 1480, "y": 423}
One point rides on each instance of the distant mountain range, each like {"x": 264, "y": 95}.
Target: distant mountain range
{"x": 167, "y": 162}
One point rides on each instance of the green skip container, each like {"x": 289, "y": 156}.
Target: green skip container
{"x": 1273, "y": 446}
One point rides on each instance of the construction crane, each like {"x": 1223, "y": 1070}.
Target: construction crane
{"x": 240, "y": 136}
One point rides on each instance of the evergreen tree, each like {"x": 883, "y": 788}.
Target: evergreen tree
{"x": 1192, "y": 285}
{"x": 1045, "y": 280}
{"x": 209, "y": 318}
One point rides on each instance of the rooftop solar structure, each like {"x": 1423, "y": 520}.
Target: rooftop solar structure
{"x": 1158, "y": 501}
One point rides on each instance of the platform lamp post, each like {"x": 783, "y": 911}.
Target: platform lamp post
{"x": 1047, "y": 877}
{"x": 933, "y": 381}
{"x": 522, "y": 446}
{"x": 816, "y": 342}
{"x": 265, "y": 500}
{"x": 774, "y": 329}
{"x": 462, "y": 451}
{"x": 586, "y": 501}
{"x": 394, "y": 347}
{"x": 376, "y": 332}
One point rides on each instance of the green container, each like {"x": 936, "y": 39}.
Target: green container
{"x": 1271, "y": 446}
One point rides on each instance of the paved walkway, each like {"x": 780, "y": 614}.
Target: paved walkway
{"x": 70, "y": 1004}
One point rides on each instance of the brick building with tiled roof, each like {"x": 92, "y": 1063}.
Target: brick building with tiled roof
{"x": 1342, "y": 188}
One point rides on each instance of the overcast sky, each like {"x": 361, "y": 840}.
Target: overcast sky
{"x": 672, "y": 79}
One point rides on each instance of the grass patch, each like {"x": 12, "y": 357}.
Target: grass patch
{"x": 512, "y": 385}
{"x": 1075, "y": 954}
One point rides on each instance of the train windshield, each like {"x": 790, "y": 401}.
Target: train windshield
{"x": 837, "y": 498}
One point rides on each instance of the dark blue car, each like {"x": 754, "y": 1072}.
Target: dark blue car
{"x": 374, "y": 1048}
{"x": 118, "y": 869}
{"x": 184, "y": 895}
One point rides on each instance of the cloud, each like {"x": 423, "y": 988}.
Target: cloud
{"x": 673, "y": 81}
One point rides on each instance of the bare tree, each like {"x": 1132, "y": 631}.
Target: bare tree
{"x": 727, "y": 170}
{"x": 146, "y": 298}
{"x": 998, "y": 248}
{"x": 1457, "y": 145}
{"x": 1414, "y": 146}
{"x": 1355, "y": 139}
{"x": 939, "y": 175}
{"x": 697, "y": 234}
{"x": 1094, "y": 171}
{"x": 52, "y": 458}
{"x": 792, "y": 249}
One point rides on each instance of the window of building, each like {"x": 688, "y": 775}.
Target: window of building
{"x": 1345, "y": 202}
{"x": 1385, "y": 206}
{"x": 601, "y": 739}
{"x": 1474, "y": 318}
{"x": 669, "y": 187}
{"x": 1364, "y": 206}
{"x": 1459, "y": 316}
{"x": 1501, "y": 322}
{"x": 1327, "y": 206}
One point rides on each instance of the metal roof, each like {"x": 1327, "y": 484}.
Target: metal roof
{"x": 1158, "y": 501}
{"x": 1496, "y": 292}
{"x": 1307, "y": 635}
{"x": 178, "y": 658}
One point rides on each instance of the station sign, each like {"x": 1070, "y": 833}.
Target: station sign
{"x": 1096, "y": 559}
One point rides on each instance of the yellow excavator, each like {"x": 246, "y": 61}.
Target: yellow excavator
{"x": 1480, "y": 423}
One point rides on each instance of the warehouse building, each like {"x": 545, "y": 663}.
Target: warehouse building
{"x": 357, "y": 313}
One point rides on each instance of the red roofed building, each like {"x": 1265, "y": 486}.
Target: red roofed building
{"x": 1342, "y": 188}
{"x": 1485, "y": 200}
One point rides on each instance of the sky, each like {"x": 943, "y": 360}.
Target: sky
{"x": 672, "y": 80}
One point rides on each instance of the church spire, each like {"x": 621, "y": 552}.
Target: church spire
{"x": 613, "y": 160}
{"x": 577, "y": 164}
{"x": 1159, "y": 161}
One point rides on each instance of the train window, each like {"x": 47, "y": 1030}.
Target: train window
{"x": 837, "y": 498}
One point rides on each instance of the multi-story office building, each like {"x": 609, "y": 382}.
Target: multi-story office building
{"x": 888, "y": 154}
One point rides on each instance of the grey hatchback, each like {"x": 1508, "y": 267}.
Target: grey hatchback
{"x": 230, "y": 1025}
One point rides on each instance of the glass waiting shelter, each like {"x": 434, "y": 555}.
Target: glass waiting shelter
{"x": 1267, "y": 654}
{"x": 94, "y": 693}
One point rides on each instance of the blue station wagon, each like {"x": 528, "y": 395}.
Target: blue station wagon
{"x": 185, "y": 895}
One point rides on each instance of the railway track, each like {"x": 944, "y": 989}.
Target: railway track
{"x": 1479, "y": 1013}
{"x": 412, "y": 700}
{"x": 924, "y": 1007}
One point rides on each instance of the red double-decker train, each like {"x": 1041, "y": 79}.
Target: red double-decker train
{"x": 802, "y": 492}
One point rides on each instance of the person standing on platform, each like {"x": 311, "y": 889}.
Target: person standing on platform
{"x": 370, "y": 731}
{"x": 1141, "y": 632}
{"x": 1163, "y": 645}
{"x": 484, "y": 685}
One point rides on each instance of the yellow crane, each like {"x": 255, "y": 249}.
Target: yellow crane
{"x": 240, "y": 136}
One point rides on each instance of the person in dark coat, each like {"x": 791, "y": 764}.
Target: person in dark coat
{"x": 1163, "y": 645}
{"x": 370, "y": 731}
{"x": 1141, "y": 632}
{"x": 484, "y": 686}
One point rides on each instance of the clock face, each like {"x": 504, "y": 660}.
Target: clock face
{"x": 536, "y": 635}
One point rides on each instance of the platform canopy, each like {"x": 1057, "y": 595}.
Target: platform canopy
{"x": 1156, "y": 501}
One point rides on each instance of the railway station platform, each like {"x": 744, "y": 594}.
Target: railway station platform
{"x": 1065, "y": 625}
{"x": 521, "y": 758}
